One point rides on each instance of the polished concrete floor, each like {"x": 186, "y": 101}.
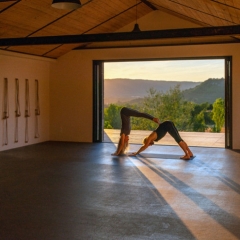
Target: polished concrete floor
{"x": 60, "y": 191}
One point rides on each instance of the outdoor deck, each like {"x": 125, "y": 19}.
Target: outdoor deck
{"x": 193, "y": 139}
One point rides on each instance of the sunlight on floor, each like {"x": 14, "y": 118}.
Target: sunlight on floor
{"x": 175, "y": 191}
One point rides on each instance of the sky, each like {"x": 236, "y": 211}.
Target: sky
{"x": 172, "y": 70}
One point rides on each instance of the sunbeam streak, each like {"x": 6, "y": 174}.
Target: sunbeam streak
{"x": 182, "y": 198}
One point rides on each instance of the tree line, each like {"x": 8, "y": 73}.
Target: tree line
{"x": 186, "y": 115}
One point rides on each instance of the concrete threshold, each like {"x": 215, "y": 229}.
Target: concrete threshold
{"x": 196, "y": 139}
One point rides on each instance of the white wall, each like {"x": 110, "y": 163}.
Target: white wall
{"x": 71, "y": 88}
{"x": 71, "y": 99}
{"x": 13, "y": 65}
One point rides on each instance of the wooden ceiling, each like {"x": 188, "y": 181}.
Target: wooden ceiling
{"x": 35, "y": 27}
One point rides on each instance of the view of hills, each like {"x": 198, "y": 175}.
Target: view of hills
{"x": 132, "y": 90}
{"x": 207, "y": 91}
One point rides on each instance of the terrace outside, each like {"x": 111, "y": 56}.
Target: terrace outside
{"x": 193, "y": 139}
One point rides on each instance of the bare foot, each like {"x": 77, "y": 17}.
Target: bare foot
{"x": 185, "y": 157}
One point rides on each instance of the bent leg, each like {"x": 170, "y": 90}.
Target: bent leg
{"x": 172, "y": 130}
{"x": 187, "y": 151}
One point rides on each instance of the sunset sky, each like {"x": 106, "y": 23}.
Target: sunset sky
{"x": 182, "y": 70}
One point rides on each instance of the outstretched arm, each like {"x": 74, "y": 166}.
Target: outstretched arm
{"x": 147, "y": 143}
{"x": 134, "y": 113}
{"x": 142, "y": 148}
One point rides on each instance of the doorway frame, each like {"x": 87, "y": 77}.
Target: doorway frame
{"x": 98, "y": 93}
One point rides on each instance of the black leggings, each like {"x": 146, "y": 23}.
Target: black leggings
{"x": 126, "y": 113}
{"x": 169, "y": 127}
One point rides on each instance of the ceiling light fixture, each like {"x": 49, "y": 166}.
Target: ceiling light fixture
{"x": 136, "y": 27}
{"x": 66, "y": 4}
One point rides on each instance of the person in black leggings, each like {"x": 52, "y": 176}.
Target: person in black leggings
{"x": 126, "y": 113}
{"x": 159, "y": 133}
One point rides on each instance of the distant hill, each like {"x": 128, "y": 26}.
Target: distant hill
{"x": 133, "y": 91}
{"x": 207, "y": 91}
{"x": 125, "y": 90}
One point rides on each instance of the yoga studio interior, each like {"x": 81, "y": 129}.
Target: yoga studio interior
{"x": 58, "y": 177}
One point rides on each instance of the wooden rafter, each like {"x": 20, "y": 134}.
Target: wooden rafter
{"x": 124, "y": 36}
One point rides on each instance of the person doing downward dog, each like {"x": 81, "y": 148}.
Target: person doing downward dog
{"x": 126, "y": 113}
{"x": 159, "y": 133}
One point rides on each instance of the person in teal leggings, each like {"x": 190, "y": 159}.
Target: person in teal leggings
{"x": 159, "y": 133}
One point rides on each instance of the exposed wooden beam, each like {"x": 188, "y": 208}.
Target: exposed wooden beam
{"x": 14, "y": 2}
{"x": 149, "y": 4}
{"x": 123, "y": 36}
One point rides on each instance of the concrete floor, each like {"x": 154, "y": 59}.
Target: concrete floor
{"x": 60, "y": 191}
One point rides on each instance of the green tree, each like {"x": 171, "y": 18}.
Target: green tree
{"x": 199, "y": 117}
{"x": 112, "y": 117}
{"x": 169, "y": 106}
{"x": 208, "y": 115}
{"x": 150, "y": 108}
{"x": 218, "y": 114}
{"x": 199, "y": 124}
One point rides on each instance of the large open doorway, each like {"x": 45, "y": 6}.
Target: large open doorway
{"x": 206, "y": 82}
